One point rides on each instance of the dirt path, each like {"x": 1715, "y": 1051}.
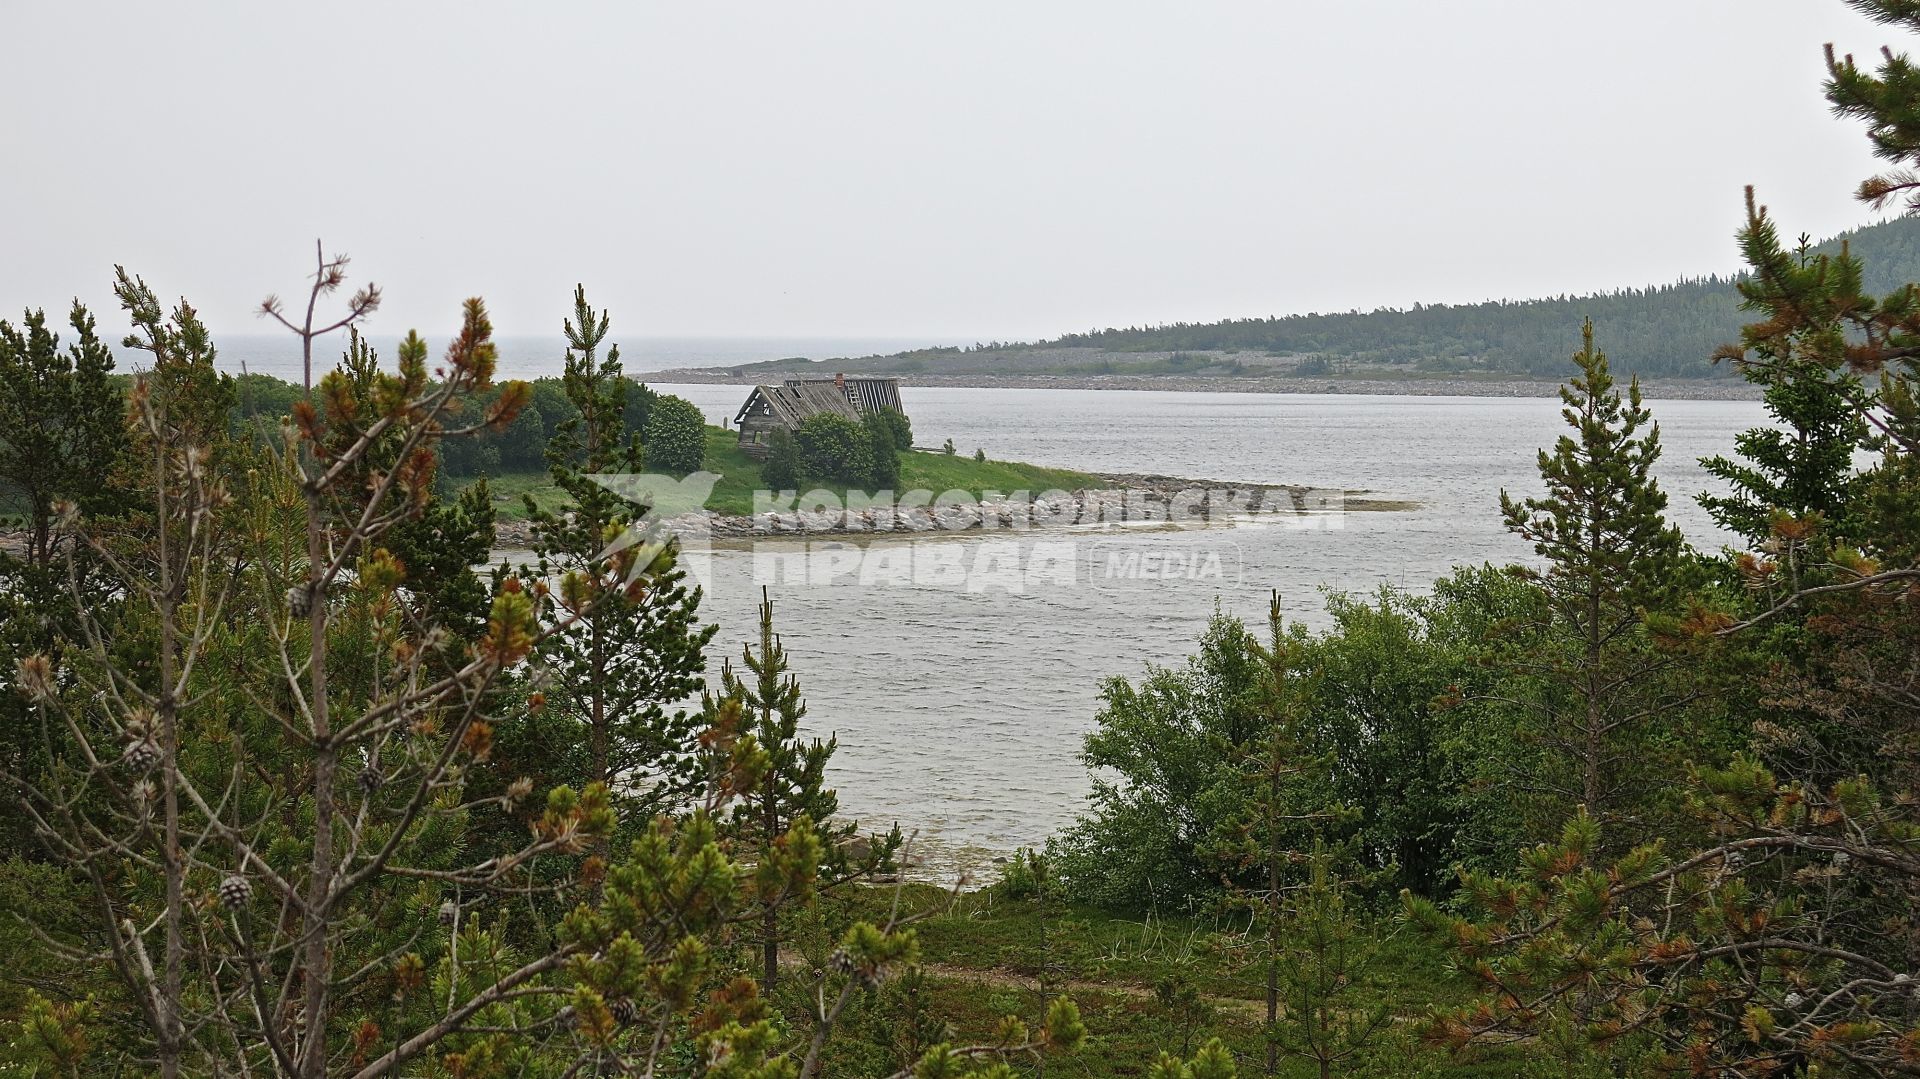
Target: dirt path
{"x": 1006, "y": 979}
{"x": 999, "y": 978}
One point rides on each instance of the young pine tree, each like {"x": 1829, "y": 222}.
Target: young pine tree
{"x": 1803, "y": 465}
{"x": 1286, "y": 809}
{"x": 794, "y": 790}
{"x": 61, "y": 429}
{"x": 442, "y": 543}
{"x": 1611, "y": 556}
{"x": 1324, "y": 962}
{"x": 638, "y": 648}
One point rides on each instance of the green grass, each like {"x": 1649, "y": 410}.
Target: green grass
{"x": 740, "y": 478}
{"x": 986, "y": 956}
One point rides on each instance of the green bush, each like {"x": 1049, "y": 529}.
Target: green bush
{"x": 1165, "y": 789}
{"x": 640, "y": 399}
{"x": 781, "y": 470}
{"x": 1026, "y": 876}
{"x": 676, "y": 436}
{"x": 1401, "y": 713}
{"x": 900, "y": 426}
{"x": 522, "y": 446}
{"x": 883, "y": 455}
{"x": 834, "y": 448}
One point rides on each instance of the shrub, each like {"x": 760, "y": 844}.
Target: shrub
{"x": 1026, "y": 876}
{"x": 947, "y": 448}
{"x": 781, "y": 470}
{"x": 834, "y": 448}
{"x": 980, "y": 456}
{"x": 676, "y": 436}
{"x": 1164, "y": 789}
{"x": 899, "y": 425}
{"x": 522, "y": 446}
{"x": 883, "y": 468}
{"x": 640, "y": 400}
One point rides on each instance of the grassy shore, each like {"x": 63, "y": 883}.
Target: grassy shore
{"x": 1143, "y": 984}
{"x": 740, "y": 478}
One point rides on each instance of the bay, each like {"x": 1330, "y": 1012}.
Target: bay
{"x": 960, "y": 714}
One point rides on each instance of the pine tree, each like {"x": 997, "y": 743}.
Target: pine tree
{"x": 1287, "y": 810}
{"x": 1324, "y": 963}
{"x": 1842, "y": 594}
{"x": 261, "y": 768}
{"x": 794, "y": 789}
{"x": 441, "y": 543}
{"x": 328, "y": 275}
{"x": 61, "y": 429}
{"x": 639, "y": 648}
{"x": 1804, "y": 464}
{"x": 795, "y": 786}
{"x": 62, "y": 438}
{"x": 1774, "y": 950}
{"x": 1611, "y": 556}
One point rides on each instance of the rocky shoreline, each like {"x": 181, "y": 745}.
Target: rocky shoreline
{"x": 1131, "y": 500}
{"x": 1128, "y": 500}
{"x": 1667, "y": 389}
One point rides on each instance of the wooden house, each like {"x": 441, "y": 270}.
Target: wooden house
{"x": 788, "y": 405}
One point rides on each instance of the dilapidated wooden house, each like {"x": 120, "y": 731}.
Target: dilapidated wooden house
{"x": 788, "y": 405}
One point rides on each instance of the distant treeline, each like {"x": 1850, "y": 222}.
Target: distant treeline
{"x": 1663, "y": 330}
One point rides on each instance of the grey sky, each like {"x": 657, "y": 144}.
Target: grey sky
{"x": 968, "y": 170}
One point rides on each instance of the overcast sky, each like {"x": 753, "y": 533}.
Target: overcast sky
{"x": 964, "y": 171}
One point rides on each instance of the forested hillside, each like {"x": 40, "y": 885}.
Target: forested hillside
{"x": 1665, "y": 330}
{"x": 1662, "y": 330}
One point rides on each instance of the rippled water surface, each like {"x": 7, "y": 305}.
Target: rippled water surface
{"x": 962, "y": 714}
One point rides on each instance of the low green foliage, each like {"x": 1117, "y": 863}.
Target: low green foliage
{"x": 741, "y": 476}
{"x": 676, "y": 436}
{"x": 780, "y": 469}
{"x": 835, "y": 450}
{"x": 1144, "y": 986}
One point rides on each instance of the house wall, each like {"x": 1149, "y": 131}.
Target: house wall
{"x": 755, "y": 430}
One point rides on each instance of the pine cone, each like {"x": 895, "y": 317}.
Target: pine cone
{"x": 371, "y": 778}
{"x": 299, "y": 601}
{"x": 142, "y": 755}
{"x": 448, "y": 911}
{"x": 234, "y": 892}
{"x": 624, "y": 1012}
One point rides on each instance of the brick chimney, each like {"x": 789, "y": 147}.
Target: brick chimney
{"x": 840, "y": 381}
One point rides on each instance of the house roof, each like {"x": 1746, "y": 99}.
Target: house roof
{"x": 795, "y": 402}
